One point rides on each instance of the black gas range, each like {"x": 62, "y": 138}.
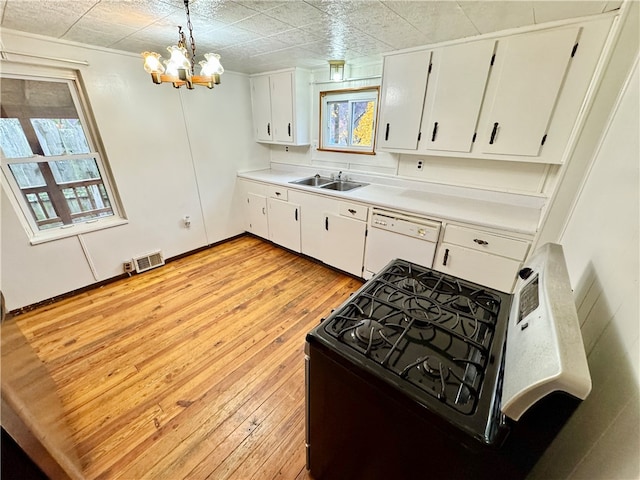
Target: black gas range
{"x": 406, "y": 379}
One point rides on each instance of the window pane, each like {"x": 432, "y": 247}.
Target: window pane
{"x": 27, "y": 175}
{"x": 362, "y": 123}
{"x": 338, "y": 123}
{"x": 13, "y": 141}
{"x": 60, "y": 136}
{"x": 347, "y": 120}
{"x": 74, "y": 170}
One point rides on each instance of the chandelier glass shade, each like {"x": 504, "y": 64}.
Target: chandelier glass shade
{"x": 179, "y": 70}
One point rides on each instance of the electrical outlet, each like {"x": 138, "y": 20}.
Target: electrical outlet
{"x": 128, "y": 267}
{"x": 419, "y": 165}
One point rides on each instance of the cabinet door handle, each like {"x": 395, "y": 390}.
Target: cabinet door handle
{"x": 386, "y": 133}
{"x": 296, "y": 214}
{"x": 263, "y": 211}
{"x": 289, "y": 129}
{"x": 351, "y": 211}
{"x": 493, "y": 133}
{"x": 480, "y": 242}
{"x": 435, "y": 132}
{"x": 446, "y": 256}
{"x": 326, "y": 223}
{"x": 268, "y": 129}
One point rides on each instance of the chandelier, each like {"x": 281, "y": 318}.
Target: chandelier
{"x": 180, "y": 68}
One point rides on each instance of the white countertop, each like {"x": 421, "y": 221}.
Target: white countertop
{"x": 504, "y": 211}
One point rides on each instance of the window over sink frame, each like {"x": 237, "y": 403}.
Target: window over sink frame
{"x": 347, "y": 120}
{"x": 53, "y": 171}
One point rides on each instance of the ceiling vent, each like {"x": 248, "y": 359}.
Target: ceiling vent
{"x": 149, "y": 261}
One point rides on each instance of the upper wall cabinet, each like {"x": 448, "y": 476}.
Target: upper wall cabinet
{"x": 530, "y": 70}
{"x": 458, "y": 77}
{"x": 281, "y": 103}
{"x": 513, "y": 97}
{"x": 404, "y": 83}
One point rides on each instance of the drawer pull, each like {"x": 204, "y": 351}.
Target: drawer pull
{"x": 278, "y": 194}
{"x": 351, "y": 211}
{"x": 480, "y": 242}
{"x": 446, "y": 257}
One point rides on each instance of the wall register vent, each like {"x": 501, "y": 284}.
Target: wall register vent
{"x": 149, "y": 261}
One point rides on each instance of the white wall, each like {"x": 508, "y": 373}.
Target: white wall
{"x": 601, "y": 239}
{"x": 172, "y": 153}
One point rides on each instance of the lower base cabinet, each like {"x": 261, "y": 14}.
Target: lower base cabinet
{"x": 328, "y": 235}
{"x": 284, "y": 223}
{"x": 481, "y": 257}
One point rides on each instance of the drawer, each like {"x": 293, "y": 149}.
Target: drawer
{"x": 486, "y": 242}
{"x": 354, "y": 211}
{"x": 280, "y": 193}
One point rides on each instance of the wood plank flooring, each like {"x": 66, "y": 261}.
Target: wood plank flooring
{"x": 192, "y": 370}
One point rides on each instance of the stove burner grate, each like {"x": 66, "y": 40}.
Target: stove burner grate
{"x": 430, "y": 330}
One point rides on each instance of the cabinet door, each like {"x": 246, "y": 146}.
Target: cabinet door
{"x": 257, "y": 214}
{"x": 312, "y": 221}
{"x": 282, "y": 106}
{"x": 478, "y": 267}
{"x": 530, "y": 70}
{"x": 404, "y": 82}
{"x": 284, "y": 223}
{"x": 261, "y": 105}
{"x": 344, "y": 243}
{"x": 456, "y": 89}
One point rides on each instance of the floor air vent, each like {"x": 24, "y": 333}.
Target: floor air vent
{"x": 149, "y": 261}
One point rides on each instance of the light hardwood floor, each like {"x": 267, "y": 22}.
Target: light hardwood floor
{"x": 192, "y": 370}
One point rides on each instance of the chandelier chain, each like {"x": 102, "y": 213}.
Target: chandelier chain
{"x": 192, "y": 40}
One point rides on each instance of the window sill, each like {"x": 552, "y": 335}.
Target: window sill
{"x": 75, "y": 230}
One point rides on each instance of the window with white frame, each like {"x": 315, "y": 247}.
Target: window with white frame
{"x": 49, "y": 157}
{"x": 348, "y": 120}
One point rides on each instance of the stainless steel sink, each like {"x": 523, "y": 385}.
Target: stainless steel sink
{"x": 343, "y": 186}
{"x": 316, "y": 181}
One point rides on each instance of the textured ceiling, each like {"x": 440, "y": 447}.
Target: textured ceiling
{"x": 261, "y": 35}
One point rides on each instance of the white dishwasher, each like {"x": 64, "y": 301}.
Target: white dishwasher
{"x": 395, "y": 235}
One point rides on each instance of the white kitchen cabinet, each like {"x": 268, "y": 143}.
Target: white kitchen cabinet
{"x": 284, "y": 223}
{"x": 486, "y": 258}
{"x": 404, "y": 82}
{"x": 257, "y": 215}
{"x": 261, "y": 106}
{"x": 281, "y": 103}
{"x": 454, "y": 96}
{"x": 530, "y": 69}
{"x": 332, "y": 231}
{"x": 344, "y": 243}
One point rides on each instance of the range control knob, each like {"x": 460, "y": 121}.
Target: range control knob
{"x": 525, "y": 273}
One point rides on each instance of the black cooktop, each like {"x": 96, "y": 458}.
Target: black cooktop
{"x": 438, "y": 338}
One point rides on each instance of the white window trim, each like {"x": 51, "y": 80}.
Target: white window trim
{"x": 361, "y": 93}
{"x": 9, "y": 184}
